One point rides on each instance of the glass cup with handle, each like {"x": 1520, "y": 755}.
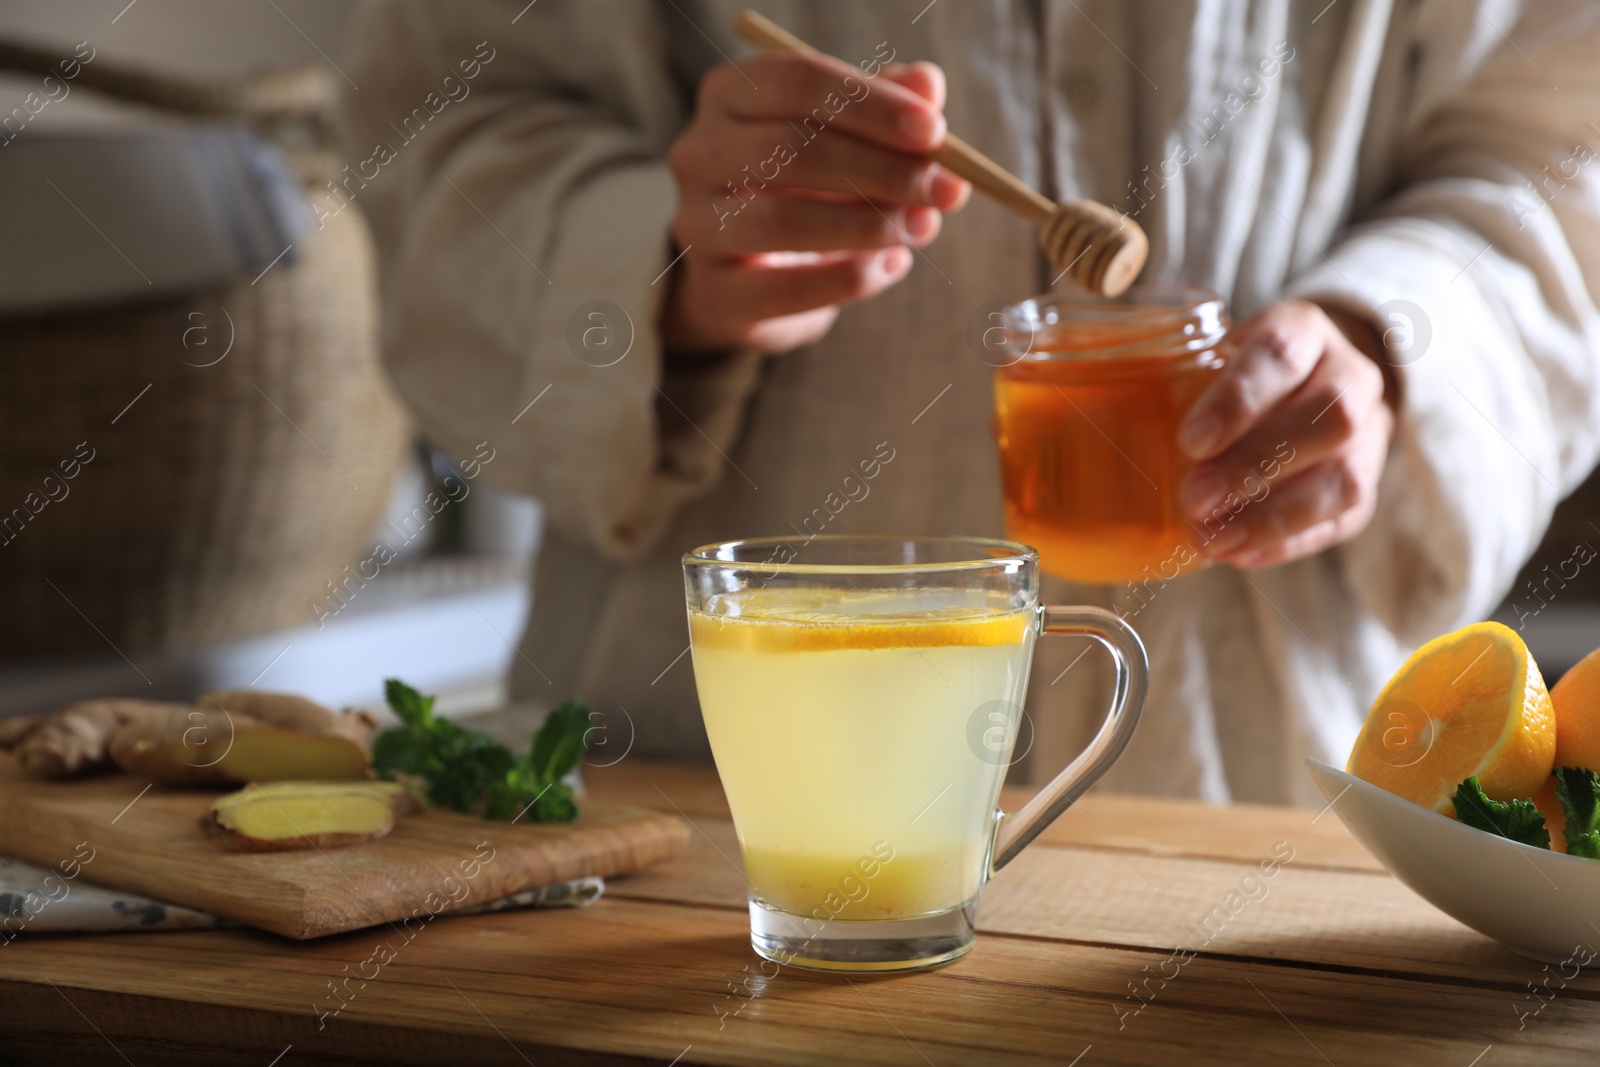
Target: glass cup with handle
{"x": 862, "y": 696}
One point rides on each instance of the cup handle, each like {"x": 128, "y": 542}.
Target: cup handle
{"x": 1013, "y": 832}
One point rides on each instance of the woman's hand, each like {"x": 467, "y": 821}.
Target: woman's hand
{"x": 1297, "y": 427}
{"x": 801, "y": 196}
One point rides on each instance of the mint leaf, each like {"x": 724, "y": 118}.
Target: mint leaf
{"x": 412, "y": 707}
{"x": 469, "y": 771}
{"x": 1585, "y": 845}
{"x": 1517, "y": 819}
{"x": 399, "y": 750}
{"x": 560, "y": 742}
{"x": 1578, "y": 789}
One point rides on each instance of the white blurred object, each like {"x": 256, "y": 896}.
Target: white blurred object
{"x": 448, "y": 627}
{"x": 410, "y": 489}
{"x": 502, "y": 525}
{"x": 104, "y": 218}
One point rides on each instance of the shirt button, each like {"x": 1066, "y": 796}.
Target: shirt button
{"x": 1083, "y": 92}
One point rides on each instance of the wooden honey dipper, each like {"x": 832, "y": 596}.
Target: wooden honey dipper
{"x": 1101, "y": 249}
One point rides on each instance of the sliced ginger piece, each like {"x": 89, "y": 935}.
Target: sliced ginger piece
{"x": 266, "y": 753}
{"x": 396, "y": 795}
{"x": 295, "y": 815}
{"x": 280, "y": 736}
{"x": 305, "y": 822}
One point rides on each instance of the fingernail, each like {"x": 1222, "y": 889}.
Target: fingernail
{"x": 924, "y": 129}
{"x": 1248, "y": 559}
{"x": 1229, "y": 539}
{"x": 922, "y": 223}
{"x": 1199, "y": 434}
{"x": 895, "y": 262}
{"x": 1202, "y": 491}
{"x": 946, "y": 190}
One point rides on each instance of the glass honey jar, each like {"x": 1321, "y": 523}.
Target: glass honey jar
{"x": 1089, "y": 394}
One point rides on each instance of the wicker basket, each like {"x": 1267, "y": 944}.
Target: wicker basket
{"x": 222, "y": 502}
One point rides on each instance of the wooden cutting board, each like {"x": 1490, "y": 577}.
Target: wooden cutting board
{"x": 150, "y": 841}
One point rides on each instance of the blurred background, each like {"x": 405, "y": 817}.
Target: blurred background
{"x": 204, "y": 480}
{"x": 246, "y": 501}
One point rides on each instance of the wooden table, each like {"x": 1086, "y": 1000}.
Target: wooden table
{"x": 1328, "y": 960}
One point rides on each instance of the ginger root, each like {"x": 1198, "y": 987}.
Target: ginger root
{"x": 76, "y": 739}
{"x": 292, "y": 713}
{"x": 230, "y": 737}
{"x": 14, "y": 729}
{"x": 290, "y": 815}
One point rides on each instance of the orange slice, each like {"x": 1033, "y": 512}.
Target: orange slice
{"x": 1469, "y": 703}
{"x": 758, "y": 634}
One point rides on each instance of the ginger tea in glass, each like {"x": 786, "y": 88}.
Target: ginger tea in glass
{"x": 1088, "y": 397}
{"x": 862, "y": 696}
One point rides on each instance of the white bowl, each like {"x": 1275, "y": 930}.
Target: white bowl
{"x": 1540, "y": 904}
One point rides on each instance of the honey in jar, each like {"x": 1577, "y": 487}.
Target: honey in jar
{"x": 1089, "y": 395}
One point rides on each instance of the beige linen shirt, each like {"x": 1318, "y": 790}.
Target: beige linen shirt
{"x": 1427, "y": 162}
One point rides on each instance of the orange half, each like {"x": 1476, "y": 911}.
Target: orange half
{"x": 1576, "y": 699}
{"x": 1555, "y": 816}
{"x": 1469, "y": 703}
